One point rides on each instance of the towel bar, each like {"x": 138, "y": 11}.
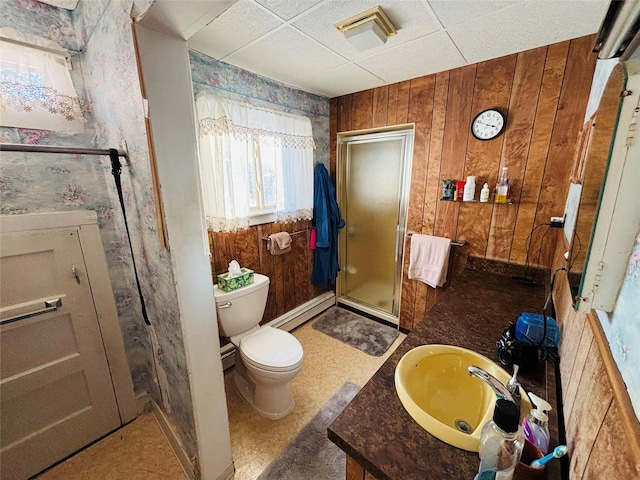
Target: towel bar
{"x": 267, "y": 239}
{"x": 454, "y": 243}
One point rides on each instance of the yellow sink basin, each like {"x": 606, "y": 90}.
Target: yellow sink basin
{"x": 436, "y": 389}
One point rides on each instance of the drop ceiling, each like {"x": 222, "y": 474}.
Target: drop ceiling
{"x": 295, "y": 41}
{"x": 68, "y": 4}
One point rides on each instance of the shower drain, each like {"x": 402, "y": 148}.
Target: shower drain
{"x": 463, "y": 426}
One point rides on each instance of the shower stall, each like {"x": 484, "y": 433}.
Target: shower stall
{"x": 373, "y": 179}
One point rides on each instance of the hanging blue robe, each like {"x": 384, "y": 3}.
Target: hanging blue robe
{"x": 328, "y": 222}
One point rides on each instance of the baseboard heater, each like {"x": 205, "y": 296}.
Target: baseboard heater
{"x": 288, "y": 321}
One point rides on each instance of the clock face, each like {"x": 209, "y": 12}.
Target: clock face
{"x": 487, "y": 125}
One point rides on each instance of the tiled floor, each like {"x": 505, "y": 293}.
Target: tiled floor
{"x": 139, "y": 451}
{"x": 328, "y": 363}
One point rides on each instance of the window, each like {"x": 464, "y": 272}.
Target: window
{"x": 36, "y": 90}
{"x": 256, "y": 165}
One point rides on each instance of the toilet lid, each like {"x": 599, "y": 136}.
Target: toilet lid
{"x": 272, "y": 349}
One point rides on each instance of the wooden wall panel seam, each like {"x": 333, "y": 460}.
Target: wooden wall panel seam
{"x": 553, "y": 127}
{"x": 590, "y": 447}
{"x": 439, "y": 152}
{"x": 577, "y": 371}
{"x": 421, "y": 91}
{"x": 543, "y": 133}
{"x": 513, "y": 105}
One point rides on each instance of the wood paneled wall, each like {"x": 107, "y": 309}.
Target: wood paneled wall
{"x": 603, "y": 432}
{"x": 544, "y": 93}
{"x": 289, "y": 273}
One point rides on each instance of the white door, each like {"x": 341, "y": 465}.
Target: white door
{"x": 56, "y": 392}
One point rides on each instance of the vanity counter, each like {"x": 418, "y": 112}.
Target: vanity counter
{"x": 376, "y": 431}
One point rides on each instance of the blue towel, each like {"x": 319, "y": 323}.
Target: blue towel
{"x": 328, "y": 222}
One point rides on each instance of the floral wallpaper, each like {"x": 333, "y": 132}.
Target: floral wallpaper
{"x": 105, "y": 74}
{"x": 231, "y": 82}
{"x": 622, "y": 328}
{"x": 30, "y": 16}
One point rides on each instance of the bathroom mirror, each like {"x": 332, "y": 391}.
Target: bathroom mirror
{"x": 594, "y": 166}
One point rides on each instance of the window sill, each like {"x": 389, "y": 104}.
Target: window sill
{"x": 260, "y": 218}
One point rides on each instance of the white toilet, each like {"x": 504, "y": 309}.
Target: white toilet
{"x": 266, "y": 358}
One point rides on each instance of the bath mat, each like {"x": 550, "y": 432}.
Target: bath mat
{"x": 311, "y": 455}
{"x": 360, "y": 332}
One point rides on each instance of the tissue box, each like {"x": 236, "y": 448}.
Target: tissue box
{"x": 227, "y": 283}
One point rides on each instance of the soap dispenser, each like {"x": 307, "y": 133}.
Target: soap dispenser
{"x": 484, "y": 193}
{"x": 501, "y": 443}
{"x": 536, "y": 424}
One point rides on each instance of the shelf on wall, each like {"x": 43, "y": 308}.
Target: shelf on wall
{"x": 476, "y": 201}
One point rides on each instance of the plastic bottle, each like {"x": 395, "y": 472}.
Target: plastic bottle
{"x": 502, "y": 188}
{"x": 484, "y": 193}
{"x": 469, "y": 189}
{"x": 459, "y": 191}
{"x": 501, "y": 443}
{"x": 535, "y": 425}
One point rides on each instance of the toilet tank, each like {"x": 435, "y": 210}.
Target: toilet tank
{"x": 241, "y": 309}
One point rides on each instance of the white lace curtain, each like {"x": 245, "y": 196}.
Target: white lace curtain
{"x": 233, "y": 136}
{"x": 36, "y": 90}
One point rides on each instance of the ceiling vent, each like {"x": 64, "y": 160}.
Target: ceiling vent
{"x": 367, "y": 29}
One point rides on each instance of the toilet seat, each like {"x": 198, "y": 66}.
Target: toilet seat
{"x": 271, "y": 349}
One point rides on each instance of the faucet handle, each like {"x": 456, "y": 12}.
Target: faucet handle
{"x": 513, "y": 381}
{"x": 513, "y": 385}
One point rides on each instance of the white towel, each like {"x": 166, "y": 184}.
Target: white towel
{"x": 429, "y": 259}
{"x": 279, "y": 243}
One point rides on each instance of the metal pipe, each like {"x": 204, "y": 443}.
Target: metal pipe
{"x": 19, "y": 147}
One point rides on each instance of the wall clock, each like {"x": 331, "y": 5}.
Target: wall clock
{"x": 488, "y": 124}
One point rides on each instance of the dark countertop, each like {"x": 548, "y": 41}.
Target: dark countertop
{"x": 472, "y": 312}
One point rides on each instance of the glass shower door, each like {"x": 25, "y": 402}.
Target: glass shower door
{"x": 372, "y": 191}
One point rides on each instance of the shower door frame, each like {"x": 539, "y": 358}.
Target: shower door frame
{"x": 406, "y": 134}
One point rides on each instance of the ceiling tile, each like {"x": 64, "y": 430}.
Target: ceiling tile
{"x": 527, "y": 25}
{"x": 174, "y": 18}
{"x": 67, "y": 4}
{"x": 411, "y": 18}
{"x": 236, "y": 27}
{"x": 451, "y": 13}
{"x": 341, "y": 80}
{"x": 426, "y": 55}
{"x": 285, "y": 55}
{"x": 287, "y": 9}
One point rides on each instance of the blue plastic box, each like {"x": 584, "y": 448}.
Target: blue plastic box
{"x": 530, "y": 328}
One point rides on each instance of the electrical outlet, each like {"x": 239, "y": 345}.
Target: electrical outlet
{"x": 557, "y": 222}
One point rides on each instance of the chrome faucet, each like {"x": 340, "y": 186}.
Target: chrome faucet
{"x": 492, "y": 381}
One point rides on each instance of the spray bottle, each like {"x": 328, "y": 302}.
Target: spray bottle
{"x": 536, "y": 424}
